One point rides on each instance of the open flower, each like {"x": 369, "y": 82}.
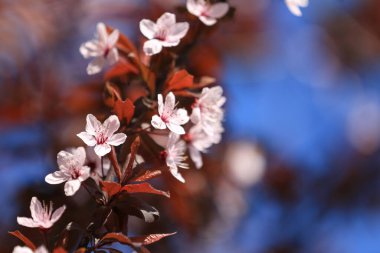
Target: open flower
{"x": 294, "y": 6}
{"x": 199, "y": 141}
{"x": 206, "y": 12}
{"x": 42, "y": 215}
{"x": 19, "y": 249}
{"x": 102, "y": 49}
{"x": 72, "y": 170}
{"x": 102, "y": 136}
{"x": 174, "y": 155}
{"x": 164, "y": 33}
{"x": 169, "y": 116}
{"x": 207, "y": 110}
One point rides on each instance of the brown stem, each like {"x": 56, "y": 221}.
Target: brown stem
{"x": 112, "y": 156}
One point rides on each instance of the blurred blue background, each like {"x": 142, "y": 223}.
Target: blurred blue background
{"x": 303, "y": 90}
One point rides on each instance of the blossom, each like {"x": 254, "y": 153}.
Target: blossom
{"x": 206, "y": 12}
{"x": 164, "y": 33}
{"x": 294, "y": 6}
{"x": 174, "y": 155}
{"x": 19, "y": 249}
{"x": 72, "y": 170}
{"x": 207, "y": 111}
{"x": 169, "y": 116}
{"x": 199, "y": 141}
{"x": 102, "y": 49}
{"x": 102, "y": 136}
{"x": 42, "y": 215}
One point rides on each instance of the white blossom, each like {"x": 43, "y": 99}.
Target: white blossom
{"x": 174, "y": 155}
{"x": 295, "y": 5}
{"x": 207, "y": 110}
{"x": 164, "y": 33}
{"x": 102, "y": 48}
{"x": 19, "y": 249}
{"x": 102, "y": 136}
{"x": 72, "y": 170}
{"x": 42, "y": 215}
{"x": 206, "y": 12}
{"x": 169, "y": 116}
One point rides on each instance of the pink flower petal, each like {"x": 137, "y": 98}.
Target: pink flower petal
{"x": 85, "y": 173}
{"x": 111, "y": 125}
{"x": 178, "y": 31}
{"x": 207, "y": 20}
{"x": 35, "y": 208}
{"x": 96, "y": 65}
{"x": 180, "y": 117}
{"x": 27, "y": 222}
{"x": 157, "y": 122}
{"x": 218, "y": 10}
{"x": 57, "y": 177}
{"x": 113, "y": 56}
{"x": 148, "y": 28}
{"x": 71, "y": 187}
{"x": 92, "y": 124}
{"x": 176, "y": 174}
{"x": 160, "y": 102}
{"x": 195, "y": 156}
{"x": 194, "y": 7}
{"x": 102, "y": 149}
{"x": 57, "y": 214}
{"x": 175, "y": 128}
{"x": 166, "y": 20}
{"x": 19, "y": 249}
{"x": 90, "y": 49}
{"x": 169, "y": 104}
{"x": 117, "y": 139}
{"x": 152, "y": 47}
{"x": 113, "y": 37}
{"x": 87, "y": 138}
{"x": 102, "y": 32}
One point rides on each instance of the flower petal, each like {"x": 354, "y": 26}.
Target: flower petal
{"x": 113, "y": 56}
{"x": 294, "y": 9}
{"x": 178, "y": 31}
{"x": 84, "y": 173}
{"x": 41, "y": 249}
{"x": 157, "y": 122}
{"x": 57, "y": 214}
{"x": 176, "y": 174}
{"x": 195, "y": 156}
{"x": 87, "y": 138}
{"x": 90, "y": 49}
{"x": 19, "y": 249}
{"x": 35, "y": 208}
{"x": 218, "y": 10}
{"x": 169, "y": 104}
{"x": 102, "y": 149}
{"x": 194, "y": 7}
{"x": 113, "y": 37}
{"x": 96, "y": 65}
{"x": 27, "y": 222}
{"x": 92, "y": 124}
{"x": 196, "y": 115}
{"x": 152, "y": 47}
{"x": 79, "y": 155}
{"x": 117, "y": 139}
{"x": 166, "y": 20}
{"x": 102, "y": 32}
{"x": 111, "y": 125}
{"x": 57, "y": 177}
{"x": 180, "y": 117}
{"x": 175, "y": 128}
{"x": 148, "y": 28}
{"x": 71, "y": 187}
{"x": 207, "y": 20}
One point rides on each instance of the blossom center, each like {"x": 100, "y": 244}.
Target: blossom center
{"x": 101, "y": 138}
{"x": 161, "y": 34}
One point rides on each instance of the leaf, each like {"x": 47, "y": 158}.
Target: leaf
{"x": 24, "y": 239}
{"x": 128, "y": 169}
{"x": 148, "y": 174}
{"x": 179, "y": 81}
{"x": 124, "y": 109}
{"x": 80, "y": 250}
{"x": 149, "y": 239}
{"x": 62, "y": 250}
{"x": 205, "y": 81}
{"x": 121, "y": 68}
{"x": 144, "y": 188}
{"x": 113, "y": 94}
{"x": 115, "y": 237}
{"x": 136, "y": 207}
{"x": 149, "y": 77}
{"x": 111, "y": 188}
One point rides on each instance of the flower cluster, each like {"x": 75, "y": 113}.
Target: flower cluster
{"x": 294, "y": 6}
{"x": 120, "y": 154}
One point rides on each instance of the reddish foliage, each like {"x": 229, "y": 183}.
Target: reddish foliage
{"x": 24, "y": 239}
{"x": 149, "y": 239}
{"x": 144, "y": 188}
{"x": 179, "y": 80}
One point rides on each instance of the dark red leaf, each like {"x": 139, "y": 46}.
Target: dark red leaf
{"x": 111, "y": 188}
{"x": 121, "y": 68}
{"x": 179, "y": 81}
{"x": 24, "y": 239}
{"x": 149, "y": 239}
{"x": 144, "y": 188}
{"x": 149, "y": 77}
{"x": 113, "y": 94}
{"x": 148, "y": 174}
{"x": 61, "y": 250}
{"x": 113, "y": 237}
{"x": 124, "y": 109}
